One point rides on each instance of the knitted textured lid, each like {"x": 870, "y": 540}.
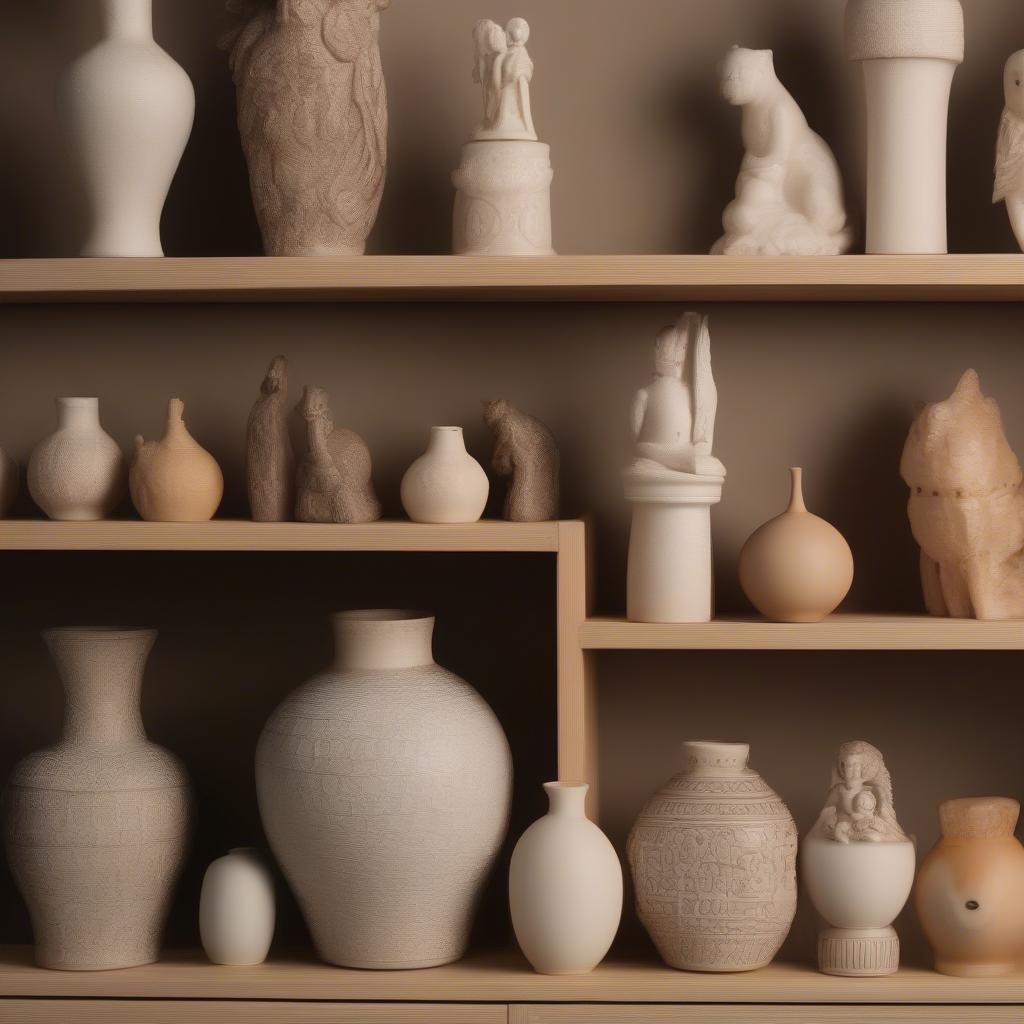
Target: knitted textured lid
{"x": 981, "y": 817}
{"x": 904, "y": 28}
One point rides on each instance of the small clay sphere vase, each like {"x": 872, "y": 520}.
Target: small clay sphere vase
{"x": 8, "y": 482}
{"x": 565, "y": 887}
{"x": 78, "y": 472}
{"x": 797, "y": 567}
{"x": 236, "y": 909}
{"x": 175, "y": 479}
{"x": 969, "y": 893}
{"x": 445, "y": 484}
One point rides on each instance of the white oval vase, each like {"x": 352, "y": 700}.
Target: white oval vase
{"x": 78, "y": 472}
{"x": 445, "y": 484}
{"x": 128, "y": 109}
{"x": 565, "y": 887}
{"x": 236, "y": 909}
{"x": 384, "y": 786}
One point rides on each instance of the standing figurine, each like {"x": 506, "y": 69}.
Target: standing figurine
{"x": 1009, "y": 185}
{"x": 312, "y": 112}
{"x": 789, "y": 194}
{"x": 334, "y": 482}
{"x": 270, "y": 461}
{"x": 504, "y": 69}
{"x": 526, "y": 451}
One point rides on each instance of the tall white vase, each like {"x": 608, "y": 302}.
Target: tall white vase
{"x": 565, "y": 887}
{"x": 128, "y": 109}
{"x": 445, "y": 484}
{"x": 237, "y": 909}
{"x": 909, "y": 50}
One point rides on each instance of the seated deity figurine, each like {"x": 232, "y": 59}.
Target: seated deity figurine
{"x": 673, "y": 418}
{"x": 789, "y": 194}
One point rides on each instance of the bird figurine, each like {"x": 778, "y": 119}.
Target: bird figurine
{"x": 1010, "y": 149}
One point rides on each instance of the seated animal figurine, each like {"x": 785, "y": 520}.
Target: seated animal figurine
{"x": 526, "y": 451}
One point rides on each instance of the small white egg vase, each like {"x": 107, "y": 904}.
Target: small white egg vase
{"x": 1009, "y": 171}
{"x": 789, "y": 194}
{"x": 909, "y": 50}
{"x": 565, "y": 887}
{"x": 445, "y": 484}
{"x": 237, "y": 909}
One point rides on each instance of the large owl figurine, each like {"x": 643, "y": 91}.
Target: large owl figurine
{"x": 1010, "y": 150}
{"x": 312, "y": 113}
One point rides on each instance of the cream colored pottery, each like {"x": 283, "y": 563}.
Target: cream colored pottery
{"x": 797, "y": 567}
{"x": 8, "y": 482}
{"x": 713, "y": 856}
{"x": 96, "y": 827}
{"x": 384, "y": 786}
{"x": 175, "y": 479}
{"x": 565, "y": 887}
{"x": 1009, "y": 168}
{"x": 236, "y": 909}
{"x": 445, "y": 484}
{"x": 77, "y": 473}
{"x": 970, "y": 889}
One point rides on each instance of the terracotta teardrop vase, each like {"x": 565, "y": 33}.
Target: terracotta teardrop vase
{"x": 797, "y": 567}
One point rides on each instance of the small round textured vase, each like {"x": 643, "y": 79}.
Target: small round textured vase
{"x": 797, "y": 567}
{"x": 714, "y": 831}
{"x": 236, "y": 909}
{"x": 445, "y": 484}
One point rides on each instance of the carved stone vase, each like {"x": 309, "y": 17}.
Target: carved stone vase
{"x": 96, "y": 827}
{"x": 713, "y": 856}
{"x": 384, "y": 786}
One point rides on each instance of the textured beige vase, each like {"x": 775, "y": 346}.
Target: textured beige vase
{"x": 713, "y": 856}
{"x": 384, "y": 786}
{"x": 175, "y": 479}
{"x": 797, "y": 567}
{"x": 96, "y": 827}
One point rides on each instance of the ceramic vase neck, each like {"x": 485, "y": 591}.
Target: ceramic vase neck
{"x": 796, "y": 494}
{"x": 128, "y": 19}
{"x": 175, "y": 431}
{"x": 78, "y": 413}
{"x": 447, "y": 442}
{"x": 567, "y": 799}
{"x": 382, "y": 639}
{"x": 102, "y": 675}
{"x": 706, "y": 758}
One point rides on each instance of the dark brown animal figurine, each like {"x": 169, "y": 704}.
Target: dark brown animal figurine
{"x": 526, "y": 451}
{"x": 270, "y": 459}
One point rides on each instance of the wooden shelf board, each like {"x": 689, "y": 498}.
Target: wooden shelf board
{"x": 502, "y": 977}
{"x": 975, "y": 278}
{"x": 837, "y": 633}
{"x": 243, "y": 535}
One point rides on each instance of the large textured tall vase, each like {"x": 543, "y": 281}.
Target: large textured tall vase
{"x": 713, "y": 856}
{"x": 313, "y": 116}
{"x": 128, "y": 109}
{"x": 384, "y": 786}
{"x": 96, "y": 828}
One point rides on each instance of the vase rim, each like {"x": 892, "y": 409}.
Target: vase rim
{"x": 77, "y": 400}
{"x": 382, "y": 615}
{"x": 559, "y": 787}
{"x": 96, "y": 633}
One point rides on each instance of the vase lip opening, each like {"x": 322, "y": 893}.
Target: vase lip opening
{"x": 92, "y": 633}
{"x": 382, "y": 615}
{"x": 562, "y": 787}
{"x": 77, "y": 401}
{"x": 716, "y": 754}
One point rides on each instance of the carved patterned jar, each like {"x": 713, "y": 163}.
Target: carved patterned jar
{"x": 713, "y": 856}
{"x": 384, "y": 786}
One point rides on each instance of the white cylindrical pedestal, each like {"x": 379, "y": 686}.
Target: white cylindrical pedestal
{"x": 670, "y": 577}
{"x": 503, "y": 199}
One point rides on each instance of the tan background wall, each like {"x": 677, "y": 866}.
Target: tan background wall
{"x": 645, "y": 155}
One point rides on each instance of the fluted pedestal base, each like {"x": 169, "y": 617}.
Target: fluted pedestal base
{"x": 858, "y": 952}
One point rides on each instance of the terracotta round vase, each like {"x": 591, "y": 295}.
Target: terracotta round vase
{"x": 384, "y": 786}
{"x": 237, "y": 909}
{"x": 970, "y": 889}
{"x": 797, "y": 567}
{"x": 445, "y": 484}
{"x": 565, "y": 887}
{"x": 175, "y": 479}
{"x": 713, "y": 856}
{"x": 96, "y": 827}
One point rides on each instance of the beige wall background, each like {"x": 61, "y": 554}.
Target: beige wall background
{"x": 645, "y": 154}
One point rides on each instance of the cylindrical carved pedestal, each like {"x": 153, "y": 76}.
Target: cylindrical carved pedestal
{"x": 858, "y": 952}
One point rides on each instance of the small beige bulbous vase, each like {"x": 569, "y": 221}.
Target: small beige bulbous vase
{"x": 797, "y": 567}
{"x": 175, "y": 479}
{"x": 445, "y": 484}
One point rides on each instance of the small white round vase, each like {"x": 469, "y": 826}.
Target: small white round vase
{"x": 859, "y": 889}
{"x": 78, "y": 472}
{"x": 565, "y": 887}
{"x": 445, "y": 484}
{"x": 236, "y": 909}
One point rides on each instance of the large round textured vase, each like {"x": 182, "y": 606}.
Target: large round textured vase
{"x": 96, "y": 827}
{"x": 384, "y": 786}
{"x": 713, "y": 856}
{"x": 128, "y": 108}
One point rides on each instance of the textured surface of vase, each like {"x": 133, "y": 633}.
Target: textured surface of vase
{"x": 236, "y": 909}
{"x": 384, "y": 786}
{"x": 128, "y": 109}
{"x": 77, "y": 473}
{"x": 445, "y": 484}
{"x": 525, "y": 452}
{"x": 8, "y": 482}
{"x": 565, "y": 887}
{"x": 1009, "y": 168}
{"x": 96, "y": 827}
{"x": 797, "y": 567}
{"x": 713, "y": 857}
{"x": 175, "y": 479}
{"x": 270, "y": 460}
{"x": 969, "y": 893}
{"x": 312, "y": 113}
